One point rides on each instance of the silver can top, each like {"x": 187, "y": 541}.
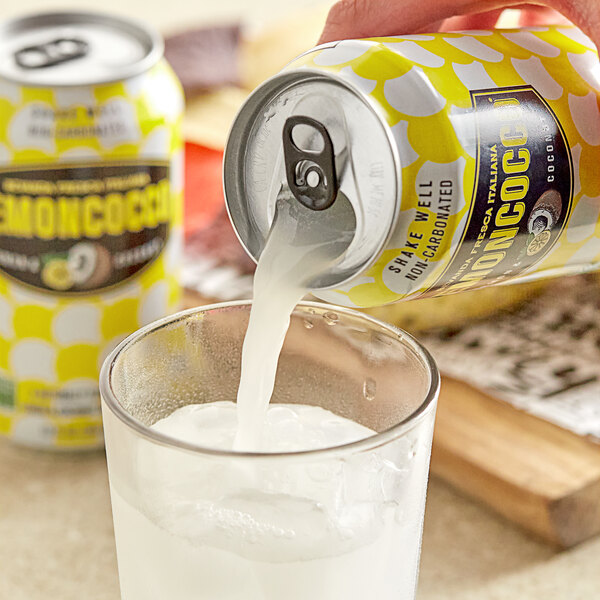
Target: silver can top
{"x": 366, "y": 163}
{"x": 75, "y": 48}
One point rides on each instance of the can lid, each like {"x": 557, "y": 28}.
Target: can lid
{"x": 75, "y": 48}
{"x": 366, "y": 163}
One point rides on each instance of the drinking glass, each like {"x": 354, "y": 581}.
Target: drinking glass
{"x": 194, "y": 522}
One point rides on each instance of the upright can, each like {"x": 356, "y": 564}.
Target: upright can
{"x": 90, "y": 212}
{"x": 468, "y": 158}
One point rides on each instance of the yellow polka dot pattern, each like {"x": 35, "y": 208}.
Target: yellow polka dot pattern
{"x": 420, "y": 85}
{"x": 52, "y": 347}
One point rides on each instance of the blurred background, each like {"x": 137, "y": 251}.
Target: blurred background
{"x": 514, "y": 504}
{"x": 174, "y": 15}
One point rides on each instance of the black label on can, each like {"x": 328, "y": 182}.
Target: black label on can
{"x": 82, "y": 228}
{"x": 523, "y": 190}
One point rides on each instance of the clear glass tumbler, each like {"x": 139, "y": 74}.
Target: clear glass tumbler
{"x": 340, "y": 523}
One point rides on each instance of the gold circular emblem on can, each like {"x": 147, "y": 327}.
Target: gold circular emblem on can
{"x": 538, "y": 242}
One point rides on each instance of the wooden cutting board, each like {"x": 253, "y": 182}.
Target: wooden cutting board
{"x": 541, "y": 477}
{"x": 537, "y": 475}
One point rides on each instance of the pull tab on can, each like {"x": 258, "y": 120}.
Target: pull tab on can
{"x": 310, "y": 173}
{"x": 52, "y": 53}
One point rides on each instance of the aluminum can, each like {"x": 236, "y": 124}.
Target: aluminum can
{"x": 469, "y": 158}
{"x": 90, "y": 212}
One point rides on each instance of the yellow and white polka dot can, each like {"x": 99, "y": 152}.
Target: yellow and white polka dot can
{"x": 468, "y": 158}
{"x": 91, "y": 171}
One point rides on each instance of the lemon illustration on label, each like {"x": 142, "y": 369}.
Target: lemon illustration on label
{"x": 538, "y": 242}
{"x": 56, "y": 274}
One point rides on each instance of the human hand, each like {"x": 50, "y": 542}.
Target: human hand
{"x": 371, "y": 18}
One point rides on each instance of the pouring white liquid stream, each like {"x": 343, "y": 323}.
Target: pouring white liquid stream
{"x": 302, "y": 244}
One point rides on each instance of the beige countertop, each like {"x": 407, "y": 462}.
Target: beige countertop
{"x": 56, "y": 541}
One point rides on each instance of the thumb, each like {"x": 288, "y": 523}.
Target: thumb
{"x": 370, "y": 18}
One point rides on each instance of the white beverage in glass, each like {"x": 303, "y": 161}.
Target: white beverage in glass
{"x": 333, "y": 531}
{"x": 317, "y": 496}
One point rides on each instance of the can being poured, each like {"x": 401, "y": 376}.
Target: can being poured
{"x": 468, "y": 159}
{"x": 90, "y": 212}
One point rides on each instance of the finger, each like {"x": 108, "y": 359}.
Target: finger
{"x": 485, "y": 20}
{"x": 540, "y": 15}
{"x": 369, "y": 18}
{"x": 527, "y": 16}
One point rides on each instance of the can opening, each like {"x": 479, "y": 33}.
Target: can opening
{"x": 309, "y": 162}
{"x": 51, "y": 53}
{"x": 315, "y": 137}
